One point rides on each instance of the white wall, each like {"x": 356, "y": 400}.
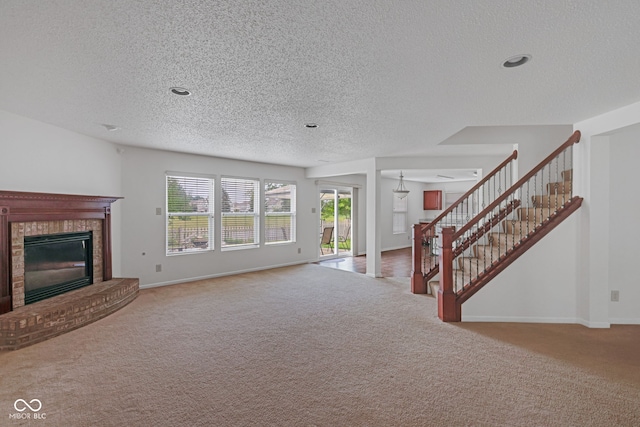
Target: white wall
{"x": 624, "y": 229}
{"x": 597, "y": 244}
{"x": 39, "y": 157}
{"x": 569, "y": 274}
{"x": 532, "y": 151}
{"x": 540, "y": 286}
{"x": 144, "y": 231}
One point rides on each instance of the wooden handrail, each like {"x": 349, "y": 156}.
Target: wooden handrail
{"x": 513, "y": 156}
{"x": 486, "y": 227}
{"x": 418, "y": 277}
{"x": 573, "y": 139}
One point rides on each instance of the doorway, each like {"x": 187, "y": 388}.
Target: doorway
{"x": 335, "y": 222}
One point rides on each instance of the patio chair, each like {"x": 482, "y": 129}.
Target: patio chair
{"x": 327, "y": 239}
{"x": 344, "y": 237}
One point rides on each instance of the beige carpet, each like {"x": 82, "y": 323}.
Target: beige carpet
{"x": 314, "y": 346}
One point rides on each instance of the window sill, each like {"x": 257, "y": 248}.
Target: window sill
{"x": 180, "y": 253}
{"x": 238, "y": 247}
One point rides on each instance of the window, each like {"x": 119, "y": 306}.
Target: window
{"x": 399, "y": 215}
{"x": 189, "y": 214}
{"x": 240, "y": 212}
{"x": 279, "y": 212}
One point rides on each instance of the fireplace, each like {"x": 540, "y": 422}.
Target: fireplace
{"x": 56, "y": 263}
{"x": 28, "y": 217}
{"x": 55, "y": 266}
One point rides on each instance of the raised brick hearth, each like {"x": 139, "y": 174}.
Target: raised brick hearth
{"x": 46, "y": 319}
{"x": 35, "y": 214}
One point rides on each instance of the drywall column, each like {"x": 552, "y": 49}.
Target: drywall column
{"x": 374, "y": 235}
{"x": 593, "y": 165}
{"x": 355, "y": 236}
{"x": 598, "y": 226}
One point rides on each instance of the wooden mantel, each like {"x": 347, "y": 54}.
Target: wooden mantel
{"x": 18, "y": 206}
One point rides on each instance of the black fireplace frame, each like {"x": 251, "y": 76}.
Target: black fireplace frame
{"x": 41, "y": 293}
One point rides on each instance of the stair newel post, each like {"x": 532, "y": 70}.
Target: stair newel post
{"x": 418, "y": 284}
{"x": 448, "y": 309}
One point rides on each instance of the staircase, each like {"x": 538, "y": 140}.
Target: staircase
{"x": 425, "y": 263}
{"x": 474, "y": 253}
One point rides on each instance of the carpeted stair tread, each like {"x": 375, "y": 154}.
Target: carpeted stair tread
{"x": 551, "y": 201}
{"x": 504, "y": 239}
{"x": 534, "y": 214}
{"x": 559, "y": 187}
{"x": 488, "y": 254}
{"x": 520, "y": 228}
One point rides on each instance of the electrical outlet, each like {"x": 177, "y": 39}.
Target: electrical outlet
{"x": 615, "y": 296}
{"x": 158, "y": 268}
{"x": 299, "y": 250}
{"x": 158, "y": 211}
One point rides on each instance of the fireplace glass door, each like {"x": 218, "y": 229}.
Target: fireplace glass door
{"x": 56, "y": 263}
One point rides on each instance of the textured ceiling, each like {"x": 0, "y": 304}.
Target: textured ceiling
{"x": 380, "y": 78}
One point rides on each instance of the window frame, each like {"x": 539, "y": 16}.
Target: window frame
{"x": 256, "y": 214}
{"x": 292, "y": 213}
{"x": 209, "y": 214}
{"x": 400, "y": 211}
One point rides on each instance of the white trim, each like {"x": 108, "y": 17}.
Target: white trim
{"x": 189, "y": 174}
{"x": 396, "y": 247}
{"x": 624, "y": 321}
{"x": 244, "y": 178}
{"x": 228, "y": 273}
{"x": 337, "y": 184}
{"x": 511, "y": 319}
{"x": 384, "y": 250}
{"x": 588, "y": 324}
{"x": 240, "y": 247}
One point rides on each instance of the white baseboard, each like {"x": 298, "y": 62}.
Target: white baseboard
{"x": 227, "y": 273}
{"x": 624, "y": 321}
{"x": 511, "y": 319}
{"x": 384, "y": 250}
{"x": 595, "y": 325}
{"x": 395, "y": 248}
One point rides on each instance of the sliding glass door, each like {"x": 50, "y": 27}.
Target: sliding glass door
{"x": 335, "y": 222}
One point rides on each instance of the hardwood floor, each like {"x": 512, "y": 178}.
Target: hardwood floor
{"x": 396, "y": 263}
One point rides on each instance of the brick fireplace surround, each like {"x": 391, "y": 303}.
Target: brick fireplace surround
{"x": 32, "y": 214}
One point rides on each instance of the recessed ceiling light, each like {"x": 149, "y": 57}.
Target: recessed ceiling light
{"x": 180, "y": 91}
{"x": 311, "y": 125}
{"x": 516, "y": 61}
{"x": 110, "y": 128}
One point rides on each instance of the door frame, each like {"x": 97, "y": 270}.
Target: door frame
{"x": 337, "y": 190}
